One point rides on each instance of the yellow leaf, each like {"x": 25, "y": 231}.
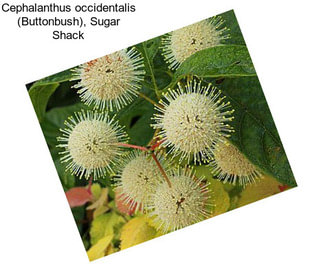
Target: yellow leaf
{"x": 102, "y": 200}
{"x": 96, "y": 191}
{"x": 136, "y": 231}
{"x": 203, "y": 171}
{"x": 104, "y": 225}
{"x": 266, "y": 187}
{"x": 99, "y": 211}
{"x": 219, "y": 198}
{"x": 109, "y": 250}
{"x": 99, "y": 249}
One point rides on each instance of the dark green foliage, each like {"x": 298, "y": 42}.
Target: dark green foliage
{"x": 39, "y": 95}
{"x": 218, "y": 62}
{"x": 255, "y": 132}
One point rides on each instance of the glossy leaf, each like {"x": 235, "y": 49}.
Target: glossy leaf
{"x": 39, "y": 96}
{"x": 255, "y": 132}
{"x": 218, "y": 62}
{"x": 230, "y": 21}
{"x": 59, "y": 77}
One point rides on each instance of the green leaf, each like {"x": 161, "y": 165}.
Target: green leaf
{"x": 136, "y": 231}
{"x": 149, "y": 50}
{"x": 39, "y": 96}
{"x": 67, "y": 179}
{"x": 217, "y": 62}
{"x": 230, "y": 21}
{"x": 255, "y": 132}
{"x": 136, "y": 118}
{"x": 56, "y": 78}
{"x": 54, "y": 120}
{"x": 161, "y": 71}
{"x": 79, "y": 216}
{"x": 104, "y": 225}
{"x": 64, "y": 95}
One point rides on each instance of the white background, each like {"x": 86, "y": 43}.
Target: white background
{"x": 283, "y": 232}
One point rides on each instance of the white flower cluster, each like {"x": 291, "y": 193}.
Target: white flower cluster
{"x": 192, "y": 120}
{"x": 90, "y": 142}
{"x": 182, "y": 43}
{"x": 171, "y": 206}
{"x": 191, "y": 124}
{"x": 111, "y": 81}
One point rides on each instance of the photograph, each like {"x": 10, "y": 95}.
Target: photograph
{"x": 158, "y": 136}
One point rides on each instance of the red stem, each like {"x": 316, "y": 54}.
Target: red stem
{"x": 161, "y": 169}
{"x": 132, "y": 146}
{"x": 90, "y": 185}
{"x": 152, "y": 154}
{"x": 157, "y": 144}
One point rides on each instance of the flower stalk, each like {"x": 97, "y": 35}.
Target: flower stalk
{"x": 162, "y": 171}
{"x": 151, "y": 149}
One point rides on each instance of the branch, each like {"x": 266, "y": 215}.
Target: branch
{"x": 132, "y": 146}
{"x": 157, "y": 144}
{"x": 147, "y": 99}
{"x": 150, "y": 70}
{"x": 161, "y": 170}
{"x": 152, "y": 154}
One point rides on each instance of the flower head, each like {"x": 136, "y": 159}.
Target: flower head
{"x": 193, "y": 120}
{"x": 232, "y": 166}
{"x": 182, "y": 43}
{"x": 110, "y": 81}
{"x": 137, "y": 179}
{"x": 182, "y": 204}
{"x": 90, "y": 142}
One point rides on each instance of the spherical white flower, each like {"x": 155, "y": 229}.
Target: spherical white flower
{"x": 182, "y": 204}
{"x": 230, "y": 165}
{"x": 110, "y": 81}
{"x": 90, "y": 142}
{"x": 193, "y": 120}
{"x": 138, "y": 177}
{"x": 182, "y": 43}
